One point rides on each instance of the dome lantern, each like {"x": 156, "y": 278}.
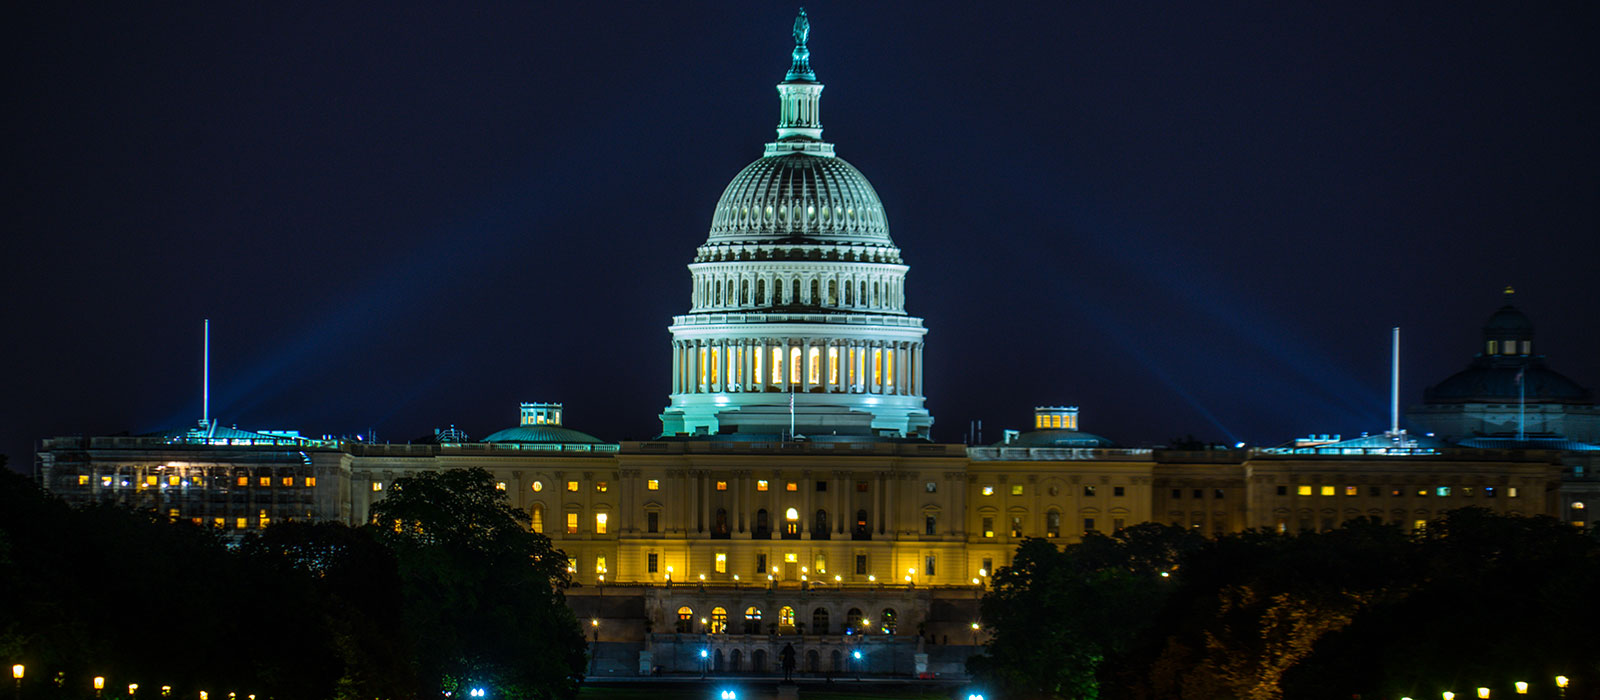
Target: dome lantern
{"x": 800, "y": 96}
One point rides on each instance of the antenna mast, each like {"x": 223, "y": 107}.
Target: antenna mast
{"x": 205, "y": 380}
{"x": 1394, "y": 384}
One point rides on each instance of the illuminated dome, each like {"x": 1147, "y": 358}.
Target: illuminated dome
{"x": 799, "y": 195}
{"x": 797, "y": 321}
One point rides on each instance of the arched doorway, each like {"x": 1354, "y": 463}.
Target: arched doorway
{"x": 813, "y": 661}
{"x": 758, "y": 661}
{"x": 889, "y": 621}
{"x": 716, "y": 661}
{"x": 836, "y": 662}
{"x": 819, "y": 621}
{"x": 734, "y": 660}
{"x": 752, "y": 620}
{"x": 719, "y": 620}
{"x": 685, "y": 620}
{"x": 786, "y": 620}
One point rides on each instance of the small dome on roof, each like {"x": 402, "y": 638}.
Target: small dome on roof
{"x": 541, "y": 423}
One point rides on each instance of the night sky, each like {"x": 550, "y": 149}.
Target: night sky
{"x": 1183, "y": 217}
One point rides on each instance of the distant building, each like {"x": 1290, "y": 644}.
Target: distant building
{"x": 1508, "y": 391}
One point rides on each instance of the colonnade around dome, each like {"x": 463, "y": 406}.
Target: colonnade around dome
{"x": 797, "y": 364}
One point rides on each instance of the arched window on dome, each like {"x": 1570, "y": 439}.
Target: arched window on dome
{"x": 744, "y": 292}
{"x": 849, "y": 298}
{"x": 833, "y": 292}
{"x": 794, "y": 291}
{"x": 761, "y": 292}
{"x": 814, "y": 366}
{"x": 777, "y": 366}
{"x": 861, "y": 292}
{"x": 794, "y": 364}
{"x": 816, "y": 292}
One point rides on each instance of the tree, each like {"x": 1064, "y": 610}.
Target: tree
{"x": 483, "y": 594}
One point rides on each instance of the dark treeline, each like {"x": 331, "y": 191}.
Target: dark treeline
{"x": 452, "y": 592}
{"x": 1368, "y": 611}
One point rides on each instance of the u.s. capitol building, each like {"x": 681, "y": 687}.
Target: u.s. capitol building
{"x": 793, "y": 496}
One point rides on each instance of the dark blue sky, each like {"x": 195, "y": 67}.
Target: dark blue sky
{"x": 1196, "y": 218}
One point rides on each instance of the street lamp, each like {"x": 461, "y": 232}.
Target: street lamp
{"x": 856, "y": 655}
{"x": 1522, "y": 687}
{"x": 594, "y": 623}
{"x": 166, "y": 691}
{"x": 1449, "y": 695}
{"x": 704, "y": 656}
{"x": 1561, "y": 682}
{"x": 99, "y": 685}
{"x": 974, "y": 634}
{"x": 16, "y": 674}
{"x": 1483, "y": 693}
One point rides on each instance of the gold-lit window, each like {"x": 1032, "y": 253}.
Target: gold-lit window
{"x": 1327, "y": 490}
{"x": 572, "y": 523}
{"x": 572, "y": 486}
{"x": 500, "y": 486}
{"x": 791, "y": 557}
{"x": 814, "y": 365}
{"x": 794, "y": 365}
{"x": 265, "y": 481}
{"x": 1511, "y": 492}
{"x": 537, "y": 486}
{"x": 722, "y": 486}
{"x": 1016, "y": 489}
{"x": 988, "y": 526}
{"x": 311, "y": 481}
{"x": 791, "y": 486}
{"x": 601, "y": 486}
{"x": 720, "y": 563}
{"x": 1419, "y": 525}
{"x": 822, "y": 563}
{"x": 150, "y": 481}
{"x": 83, "y": 479}
{"x": 172, "y": 513}
{"x": 761, "y": 484}
{"x": 1352, "y": 491}
{"x": 536, "y": 523}
{"x": 1303, "y": 490}
{"x": 377, "y": 486}
{"x": 653, "y": 485}
{"x": 988, "y": 490}
{"x": 600, "y": 523}
{"x": 174, "y": 480}
{"x": 265, "y": 521}
{"x": 245, "y": 481}
{"x": 105, "y": 481}
{"x": 241, "y": 523}
{"x": 217, "y": 522}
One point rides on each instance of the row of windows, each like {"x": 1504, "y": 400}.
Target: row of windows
{"x": 153, "y": 481}
{"x": 855, "y": 622}
{"x": 1052, "y": 525}
{"x": 1018, "y": 490}
{"x": 879, "y": 292}
{"x": 1377, "y": 491}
